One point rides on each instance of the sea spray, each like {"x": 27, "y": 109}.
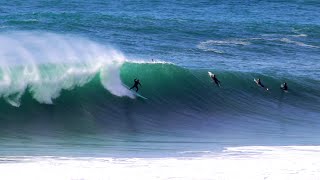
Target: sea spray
{"x": 46, "y": 63}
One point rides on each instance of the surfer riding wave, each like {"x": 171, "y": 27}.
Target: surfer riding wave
{"x": 136, "y": 83}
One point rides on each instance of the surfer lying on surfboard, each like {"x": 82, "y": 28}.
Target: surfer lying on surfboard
{"x": 136, "y": 83}
{"x": 258, "y": 81}
{"x": 284, "y": 86}
{"x": 215, "y": 79}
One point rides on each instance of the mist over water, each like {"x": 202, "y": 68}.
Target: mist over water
{"x": 47, "y": 63}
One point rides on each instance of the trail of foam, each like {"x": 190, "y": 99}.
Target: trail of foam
{"x": 300, "y": 35}
{"x": 211, "y": 45}
{"x": 152, "y": 61}
{"x": 216, "y": 46}
{"x": 286, "y": 40}
{"x": 47, "y": 63}
{"x": 227, "y": 42}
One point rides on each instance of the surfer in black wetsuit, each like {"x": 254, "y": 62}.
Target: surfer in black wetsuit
{"x": 260, "y": 84}
{"x": 215, "y": 79}
{"x": 136, "y": 83}
{"x": 284, "y": 86}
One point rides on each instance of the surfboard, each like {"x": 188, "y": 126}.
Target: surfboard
{"x": 283, "y": 89}
{"x": 134, "y": 92}
{"x": 256, "y": 81}
{"x": 210, "y": 75}
{"x": 138, "y": 95}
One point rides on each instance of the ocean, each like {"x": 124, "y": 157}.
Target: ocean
{"x": 66, "y": 111}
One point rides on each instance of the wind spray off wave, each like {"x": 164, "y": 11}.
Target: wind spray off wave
{"x": 46, "y": 63}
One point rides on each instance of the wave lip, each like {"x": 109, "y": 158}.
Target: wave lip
{"x": 46, "y": 63}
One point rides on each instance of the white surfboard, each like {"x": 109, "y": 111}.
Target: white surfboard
{"x": 286, "y": 91}
{"x": 135, "y": 93}
{"x": 256, "y": 81}
{"x": 211, "y": 76}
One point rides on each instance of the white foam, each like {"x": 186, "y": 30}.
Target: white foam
{"x": 211, "y": 45}
{"x": 235, "y": 163}
{"x": 47, "y": 63}
{"x": 152, "y": 61}
{"x": 300, "y": 35}
{"x": 286, "y": 40}
{"x": 226, "y": 42}
{"x": 209, "y": 49}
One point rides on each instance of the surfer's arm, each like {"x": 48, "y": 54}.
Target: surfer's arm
{"x": 140, "y": 84}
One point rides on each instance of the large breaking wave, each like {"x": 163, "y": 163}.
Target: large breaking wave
{"x": 46, "y": 63}
{"x": 74, "y": 83}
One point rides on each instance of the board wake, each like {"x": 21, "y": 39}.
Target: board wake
{"x": 134, "y": 92}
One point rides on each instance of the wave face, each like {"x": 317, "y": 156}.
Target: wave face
{"x": 90, "y": 98}
{"x": 56, "y": 88}
{"x": 162, "y": 82}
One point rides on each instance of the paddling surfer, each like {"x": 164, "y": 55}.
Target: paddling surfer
{"x": 215, "y": 79}
{"x": 284, "y": 86}
{"x": 258, "y": 81}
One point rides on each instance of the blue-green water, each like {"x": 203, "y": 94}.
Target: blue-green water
{"x": 63, "y": 63}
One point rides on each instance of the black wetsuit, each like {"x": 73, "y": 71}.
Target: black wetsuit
{"x": 217, "y": 81}
{"x": 284, "y": 87}
{"x": 136, "y": 83}
{"x": 259, "y": 82}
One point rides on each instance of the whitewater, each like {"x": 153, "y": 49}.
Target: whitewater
{"x": 37, "y": 61}
{"x": 257, "y": 163}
